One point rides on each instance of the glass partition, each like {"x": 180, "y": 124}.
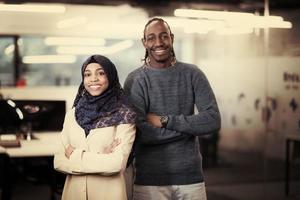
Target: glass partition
{"x": 7, "y": 63}
{"x": 65, "y": 70}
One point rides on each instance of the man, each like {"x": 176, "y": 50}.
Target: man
{"x": 164, "y": 92}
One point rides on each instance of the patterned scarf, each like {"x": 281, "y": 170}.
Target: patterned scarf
{"x": 109, "y": 108}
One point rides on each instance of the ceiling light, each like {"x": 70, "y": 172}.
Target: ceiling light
{"x": 234, "y": 31}
{"x": 32, "y": 8}
{"x": 95, "y": 50}
{"x": 216, "y": 15}
{"x": 74, "y": 41}
{"x": 116, "y": 29}
{"x": 48, "y": 59}
{"x": 11, "y": 103}
{"x": 235, "y": 19}
{"x": 69, "y": 23}
{"x": 20, "y": 114}
{"x": 80, "y": 50}
{"x": 9, "y": 49}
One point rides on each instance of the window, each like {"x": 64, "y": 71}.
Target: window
{"x": 7, "y": 64}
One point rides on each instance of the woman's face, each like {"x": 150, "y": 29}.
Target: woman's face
{"x": 94, "y": 79}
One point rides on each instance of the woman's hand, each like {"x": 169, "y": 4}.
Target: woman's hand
{"x": 111, "y": 148}
{"x": 68, "y": 151}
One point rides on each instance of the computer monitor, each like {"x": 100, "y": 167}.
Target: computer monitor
{"x": 10, "y": 120}
{"x": 42, "y": 115}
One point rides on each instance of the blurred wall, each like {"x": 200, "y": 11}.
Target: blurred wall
{"x": 256, "y": 80}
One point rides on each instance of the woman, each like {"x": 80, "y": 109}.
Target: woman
{"x": 97, "y": 136}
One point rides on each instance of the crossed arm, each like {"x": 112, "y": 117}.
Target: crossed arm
{"x": 107, "y": 150}
{"x": 179, "y": 126}
{"x": 112, "y": 160}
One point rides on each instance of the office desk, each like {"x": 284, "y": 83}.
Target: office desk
{"x": 290, "y": 139}
{"x": 2, "y": 150}
{"x": 45, "y": 145}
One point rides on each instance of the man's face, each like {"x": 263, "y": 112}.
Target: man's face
{"x": 158, "y": 42}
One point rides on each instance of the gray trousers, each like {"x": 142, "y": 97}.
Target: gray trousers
{"x": 172, "y": 192}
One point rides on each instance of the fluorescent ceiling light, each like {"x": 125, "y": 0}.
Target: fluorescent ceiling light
{"x": 216, "y": 15}
{"x": 73, "y": 22}
{"x": 80, "y": 50}
{"x": 32, "y": 8}
{"x": 95, "y": 50}
{"x": 115, "y": 29}
{"x": 235, "y": 19}
{"x": 48, "y": 59}
{"x": 203, "y": 24}
{"x": 74, "y": 41}
{"x": 19, "y": 112}
{"x": 11, "y": 103}
{"x": 234, "y": 31}
{"x": 194, "y": 25}
{"x": 261, "y": 22}
{"x": 270, "y": 22}
{"x": 109, "y": 27}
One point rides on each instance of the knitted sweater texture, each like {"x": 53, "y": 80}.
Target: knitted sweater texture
{"x": 170, "y": 155}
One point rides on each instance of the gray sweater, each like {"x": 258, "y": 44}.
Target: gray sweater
{"x": 170, "y": 156}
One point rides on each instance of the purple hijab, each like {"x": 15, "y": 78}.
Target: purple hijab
{"x": 109, "y": 108}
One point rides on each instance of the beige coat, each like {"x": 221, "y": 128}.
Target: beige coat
{"x": 91, "y": 174}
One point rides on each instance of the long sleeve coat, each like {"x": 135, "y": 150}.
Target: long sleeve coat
{"x": 91, "y": 174}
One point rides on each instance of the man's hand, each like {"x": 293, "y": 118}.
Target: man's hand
{"x": 111, "y": 148}
{"x": 154, "y": 120}
{"x": 68, "y": 151}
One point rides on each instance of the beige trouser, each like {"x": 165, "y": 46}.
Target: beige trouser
{"x": 171, "y": 192}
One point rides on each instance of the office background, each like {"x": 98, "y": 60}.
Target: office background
{"x": 253, "y": 66}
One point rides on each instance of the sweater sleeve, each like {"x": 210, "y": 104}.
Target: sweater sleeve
{"x": 207, "y": 119}
{"x": 149, "y": 135}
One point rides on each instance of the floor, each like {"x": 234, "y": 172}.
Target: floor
{"x": 243, "y": 176}
{"x": 236, "y": 176}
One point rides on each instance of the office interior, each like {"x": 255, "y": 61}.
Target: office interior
{"x": 248, "y": 49}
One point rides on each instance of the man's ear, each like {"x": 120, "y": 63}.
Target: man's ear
{"x": 144, "y": 42}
